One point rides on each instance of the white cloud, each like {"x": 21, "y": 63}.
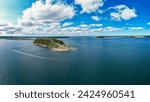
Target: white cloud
{"x": 82, "y": 29}
{"x": 89, "y": 6}
{"x": 97, "y": 30}
{"x": 101, "y": 11}
{"x": 67, "y": 24}
{"x": 96, "y": 18}
{"x": 3, "y": 24}
{"x": 41, "y": 13}
{"x": 46, "y": 19}
{"x": 122, "y": 12}
{"x": 111, "y": 29}
{"x": 136, "y": 28}
{"x": 55, "y": 29}
{"x": 90, "y": 25}
{"x": 48, "y": 1}
{"x": 83, "y": 25}
{"x": 9, "y": 29}
{"x": 96, "y": 25}
{"x": 148, "y": 23}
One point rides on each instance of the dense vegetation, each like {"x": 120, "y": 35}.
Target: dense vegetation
{"x": 50, "y": 42}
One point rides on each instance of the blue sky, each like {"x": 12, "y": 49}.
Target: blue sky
{"x": 74, "y": 17}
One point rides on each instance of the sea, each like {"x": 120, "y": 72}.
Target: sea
{"x": 97, "y": 61}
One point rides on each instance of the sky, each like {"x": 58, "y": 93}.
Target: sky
{"x": 74, "y": 17}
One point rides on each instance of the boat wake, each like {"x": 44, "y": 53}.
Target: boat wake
{"x": 31, "y": 55}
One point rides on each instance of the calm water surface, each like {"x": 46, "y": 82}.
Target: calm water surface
{"x": 97, "y": 61}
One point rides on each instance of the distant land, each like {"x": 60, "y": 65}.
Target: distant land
{"x": 27, "y": 37}
{"x": 137, "y": 36}
{"x": 34, "y": 37}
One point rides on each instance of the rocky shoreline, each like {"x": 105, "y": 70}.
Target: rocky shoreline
{"x": 65, "y": 49}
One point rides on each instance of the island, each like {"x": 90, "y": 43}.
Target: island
{"x": 54, "y": 44}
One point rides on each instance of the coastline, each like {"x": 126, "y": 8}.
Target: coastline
{"x": 63, "y": 49}
{"x": 59, "y": 49}
{"x": 64, "y": 37}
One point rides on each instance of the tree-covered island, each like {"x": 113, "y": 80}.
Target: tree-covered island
{"x": 54, "y": 44}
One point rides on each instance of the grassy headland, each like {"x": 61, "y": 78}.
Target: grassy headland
{"x": 54, "y": 44}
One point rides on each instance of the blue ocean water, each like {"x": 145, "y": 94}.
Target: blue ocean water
{"x": 107, "y": 61}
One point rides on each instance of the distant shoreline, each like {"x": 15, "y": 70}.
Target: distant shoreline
{"x": 35, "y": 37}
{"x": 26, "y": 37}
{"x": 136, "y": 36}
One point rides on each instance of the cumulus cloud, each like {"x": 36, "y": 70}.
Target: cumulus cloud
{"x": 9, "y": 29}
{"x": 111, "y": 29}
{"x": 136, "y": 28}
{"x": 96, "y": 18}
{"x": 50, "y": 18}
{"x": 82, "y": 29}
{"x": 122, "y": 12}
{"x": 67, "y": 24}
{"x": 3, "y": 24}
{"x": 55, "y": 29}
{"x": 148, "y": 23}
{"x": 88, "y": 29}
{"x": 89, "y": 6}
{"x": 41, "y": 13}
{"x": 90, "y": 25}
{"x": 97, "y": 30}
{"x": 48, "y": 1}
{"x": 84, "y": 25}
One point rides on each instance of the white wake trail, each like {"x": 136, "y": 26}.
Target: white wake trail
{"x": 31, "y": 55}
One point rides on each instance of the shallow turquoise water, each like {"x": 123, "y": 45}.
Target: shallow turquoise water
{"x": 116, "y": 61}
